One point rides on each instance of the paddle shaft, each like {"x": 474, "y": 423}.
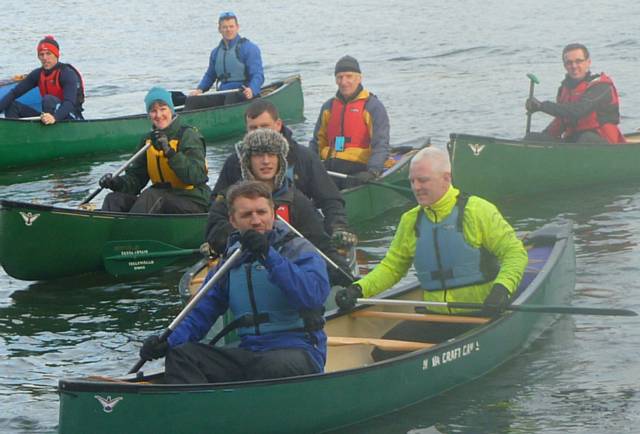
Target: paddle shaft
{"x": 532, "y": 84}
{"x": 193, "y": 302}
{"x": 117, "y": 172}
{"x": 574, "y": 310}
{"x": 320, "y": 252}
{"x": 399, "y": 188}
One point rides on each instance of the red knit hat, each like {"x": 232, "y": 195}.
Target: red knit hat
{"x": 49, "y": 43}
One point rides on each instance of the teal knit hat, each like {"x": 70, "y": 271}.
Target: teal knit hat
{"x": 158, "y": 94}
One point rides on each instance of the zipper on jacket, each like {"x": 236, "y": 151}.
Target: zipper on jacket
{"x": 252, "y": 297}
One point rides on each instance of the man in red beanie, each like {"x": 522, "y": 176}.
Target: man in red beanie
{"x": 60, "y": 84}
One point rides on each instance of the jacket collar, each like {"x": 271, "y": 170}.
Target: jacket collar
{"x": 441, "y": 209}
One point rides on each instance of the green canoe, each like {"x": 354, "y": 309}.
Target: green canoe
{"x": 353, "y": 388}
{"x": 496, "y": 168}
{"x": 25, "y": 142}
{"x": 43, "y": 242}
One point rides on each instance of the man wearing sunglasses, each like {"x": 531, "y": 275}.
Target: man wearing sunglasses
{"x": 236, "y": 63}
{"x": 587, "y": 106}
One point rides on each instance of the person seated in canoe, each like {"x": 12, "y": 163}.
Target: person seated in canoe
{"x": 304, "y": 167}
{"x": 461, "y": 247}
{"x": 275, "y": 291}
{"x": 174, "y": 162}
{"x": 587, "y": 108}
{"x": 263, "y": 157}
{"x": 351, "y": 134}
{"x": 236, "y": 63}
{"x": 61, "y": 87}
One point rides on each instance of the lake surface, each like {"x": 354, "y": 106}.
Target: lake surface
{"x": 439, "y": 68}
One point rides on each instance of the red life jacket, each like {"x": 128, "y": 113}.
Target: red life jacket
{"x": 283, "y": 211}
{"x": 348, "y": 120}
{"x": 50, "y": 84}
{"x": 608, "y": 130}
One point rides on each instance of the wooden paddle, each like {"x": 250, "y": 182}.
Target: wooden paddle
{"x": 533, "y": 80}
{"x": 121, "y": 258}
{"x": 193, "y": 302}
{"x": 116, "y": 173}
{"x": 539, "y": 308}
{"x": 407, "y": 192}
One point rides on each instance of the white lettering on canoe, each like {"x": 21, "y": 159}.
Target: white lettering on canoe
{"x": 451, "y": 355}
{"x": 107, "y": 403}
{"x": 133, "y": 252}
{"x": 476, "y": 148}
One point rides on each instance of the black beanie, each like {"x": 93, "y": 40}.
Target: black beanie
{"x": 347, "y": 64}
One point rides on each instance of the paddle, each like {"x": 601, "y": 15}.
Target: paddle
{"x": 193, "y": 302}
{"x": 121, "y": 258}
{"x": 407, "y": 192}
{"x": 533, "y": 80}
{"x": 320, "y": 252}
{"x": 116, "y": 173}
{"x": 574, "y": 310}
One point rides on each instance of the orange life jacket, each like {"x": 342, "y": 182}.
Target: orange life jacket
{"x": 347, "y": 123}
{"x": 49, "y": 84}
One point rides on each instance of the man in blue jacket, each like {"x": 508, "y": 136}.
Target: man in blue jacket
{"x": 236, "y": 63}
{"x": 276, "y": 292}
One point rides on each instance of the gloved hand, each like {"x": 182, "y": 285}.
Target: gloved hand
{"x": 364, "y": 176}
{"x": 153, "y": 348}
{"x": 346, "y": 298}
{"x": 343, "y": 237}
{"x": 108, "y": 181}
{"x": 256, "y": 243}
{"x": 497, "y": 300}
{"x": 160, "y": 142}
{"x": 533, "y": 105}
{"x": 208, "y": 251}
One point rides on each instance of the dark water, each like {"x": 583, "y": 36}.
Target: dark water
{"x": 439, "y": 68}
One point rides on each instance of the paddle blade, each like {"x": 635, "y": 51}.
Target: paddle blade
{"x": 121, "y": 258}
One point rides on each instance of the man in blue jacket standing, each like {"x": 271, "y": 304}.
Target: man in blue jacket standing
{"x": 276, "y": 293}
{"x": 236, "y": 63}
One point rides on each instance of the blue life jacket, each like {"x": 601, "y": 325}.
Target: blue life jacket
{"x": 228, "y": 66}
{"x": 443, "y": 259}
{"x": 253, "y": 296}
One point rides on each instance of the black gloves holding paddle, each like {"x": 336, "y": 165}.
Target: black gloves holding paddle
{"x": 256, "y": 243}
{"x": 160, "y": 142}
{"x": 343, "y": 237}
{"x": 108, "y": 181}
{"x": 153, "y": 348}
{"x": 533, "y": 105}
{"x": 364, "y": 176}
{"x": 346, "y": 298}
{"x": 497, "y": 300}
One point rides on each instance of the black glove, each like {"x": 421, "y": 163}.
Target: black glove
{"x": 108, "y": 181}
{"x": 497, "y": 300}
{"x": 533, "y": 105}
{"x": 160, "y": 142}
{"x": 343, "y": 237}
{"x": 364, "y": 176}
{"x": 256, "y": 243}
{"x": 153, "y": 348}
{"x": 346, "y": 298}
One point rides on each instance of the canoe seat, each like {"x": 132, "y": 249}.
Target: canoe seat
{"x": 383, "y": 344}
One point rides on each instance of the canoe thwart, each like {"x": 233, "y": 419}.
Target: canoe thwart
{"x": 420, "y": 317}
{"x": 383, "y": 344}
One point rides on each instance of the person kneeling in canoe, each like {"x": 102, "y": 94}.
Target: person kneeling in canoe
{"x": 587, "y": 108}
{"x": 174, "y": 162}
{"x": 275, "y": 290}
{"x": 263, "y": 157}
{"x": 61, "y": 88}
{"x": 462, "y": 249}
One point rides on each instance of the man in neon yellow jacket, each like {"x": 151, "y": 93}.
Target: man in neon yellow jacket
{"x": 462, "y": 248}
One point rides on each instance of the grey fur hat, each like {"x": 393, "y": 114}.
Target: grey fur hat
{"x": 263, "y": 141}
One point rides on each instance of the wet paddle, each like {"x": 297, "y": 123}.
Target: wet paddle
{"x": 320, "y": 252}
{"x": 121, "y": 258}
{"x": 539, "y": 308}
{"x": 193, "y": 302}
{"x": 533, "y": 80}
{"x": 116, "y": 173}
{"x": 407, "y": 192}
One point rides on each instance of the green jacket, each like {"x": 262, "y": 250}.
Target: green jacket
{"x": 189, "y": 165}
{"x": 483, "y": 225}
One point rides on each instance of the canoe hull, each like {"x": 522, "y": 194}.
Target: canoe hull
{"x": 496, "y": 168}
{"x": 331, "y": 400}
{"x": 29, "y": 142}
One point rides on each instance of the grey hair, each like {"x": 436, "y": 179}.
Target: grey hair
{"x": 438, "y": 158}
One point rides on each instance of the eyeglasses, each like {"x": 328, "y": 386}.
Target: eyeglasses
{"x": 225, "y": 15}
{"x": 574, "y": 62}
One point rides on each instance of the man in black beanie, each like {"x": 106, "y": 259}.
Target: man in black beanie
{"x": 351, "y": 134}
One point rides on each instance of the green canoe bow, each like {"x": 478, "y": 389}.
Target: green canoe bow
{"x": 27, "y": 142}
{"x": 495, "y": 168}
{"x": 354, "y": 387}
